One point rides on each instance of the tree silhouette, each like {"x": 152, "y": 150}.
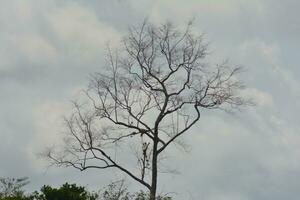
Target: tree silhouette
{"x": 152, "y": 91}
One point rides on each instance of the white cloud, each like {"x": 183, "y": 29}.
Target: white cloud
{"x": 50, "y": 32}
{"x": 262, "y": 100}
{"x": 180, "y": 11}
{"x": 270, "y": 52}
{"x": 270, "y": 55}
{"x": 20, "y": 39}
{"x": 80, "y": 32}
{"x": 48, "y": 126}
{"x": 34, "y": 48}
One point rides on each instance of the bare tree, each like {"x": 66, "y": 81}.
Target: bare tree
{"x": 10, "y": 187}
{"x": 152, "y": 92}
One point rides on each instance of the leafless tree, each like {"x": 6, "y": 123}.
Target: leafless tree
{"x": 10, "y": 187}
{"x": 153, "y": 90}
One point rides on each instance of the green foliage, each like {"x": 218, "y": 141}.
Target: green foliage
{"x": 12, "y": 189}
{"x": 65, "y": 192}
{"x": 16, "y": 198}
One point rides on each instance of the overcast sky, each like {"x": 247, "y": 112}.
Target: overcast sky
{"x": 49, "y": 48}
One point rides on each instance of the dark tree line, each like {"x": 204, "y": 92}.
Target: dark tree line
{"x": 13, "y": 189}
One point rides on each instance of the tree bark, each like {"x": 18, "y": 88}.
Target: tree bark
{"x": 154, "y": 172}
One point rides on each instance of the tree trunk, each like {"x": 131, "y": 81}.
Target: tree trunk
{"x": 154, "y": 172}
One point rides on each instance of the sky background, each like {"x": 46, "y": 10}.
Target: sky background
{"x": 49, "y": 48}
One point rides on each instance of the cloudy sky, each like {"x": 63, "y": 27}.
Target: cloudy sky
{"x": 49, "y": 48}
